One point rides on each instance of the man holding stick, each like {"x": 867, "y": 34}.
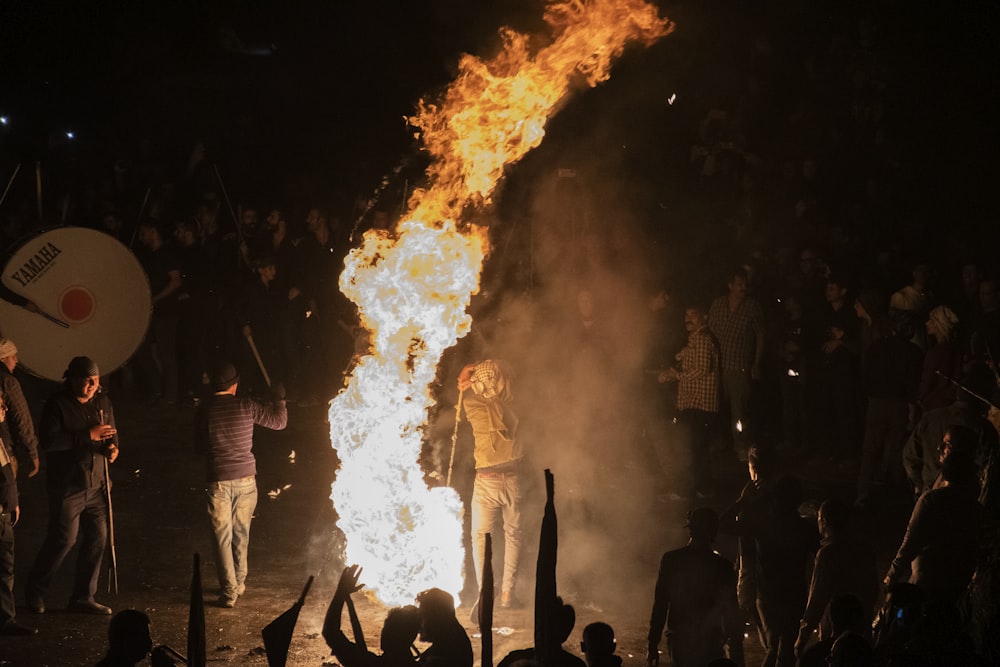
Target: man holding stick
{"x": 223, "y": 433}
{"x": 487, "y": 394}
{"x": 78, "y": 435}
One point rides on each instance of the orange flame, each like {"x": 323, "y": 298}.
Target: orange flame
{"x": 413, "y": 286}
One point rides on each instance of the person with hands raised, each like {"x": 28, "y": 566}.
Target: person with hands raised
{"x": 398, "y": 632}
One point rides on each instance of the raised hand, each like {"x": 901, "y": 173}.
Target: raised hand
{"x": 349, "y": 582}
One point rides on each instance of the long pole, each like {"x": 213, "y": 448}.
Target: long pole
{"x": 138, "y": 220}
{"x": 236, "y": 221}
{"x": 966, "y": 389}
{"x": 113, "y": 570}
{"x": 10, "y": 183}
{"x": 256, "y": 356}
{"x": 454, "y": 435}
{"x": 38, "y": 190}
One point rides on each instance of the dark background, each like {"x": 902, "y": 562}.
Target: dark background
{"x": 319, "y": 115}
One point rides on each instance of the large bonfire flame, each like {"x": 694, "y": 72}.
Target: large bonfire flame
{"x": 413, "y": 286}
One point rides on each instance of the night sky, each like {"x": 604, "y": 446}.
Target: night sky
{"x": 328, "y": 97}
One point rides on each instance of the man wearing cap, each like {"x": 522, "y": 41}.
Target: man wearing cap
{"x": 496, "y": 493}
{"x": 23, "y": 443}
{"x": 696, "y": 591}
{"x": 78, "y": 435}
{"x": 223, "y": 433}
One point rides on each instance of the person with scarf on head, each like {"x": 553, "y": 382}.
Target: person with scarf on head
{"x": 78, "y": 435}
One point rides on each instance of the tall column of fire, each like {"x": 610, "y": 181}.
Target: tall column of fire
{"x": 413, "y": 285}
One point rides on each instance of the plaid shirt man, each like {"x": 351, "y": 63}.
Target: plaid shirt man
{"x": 698, "y": 377}
{"x": 738, "y": 331}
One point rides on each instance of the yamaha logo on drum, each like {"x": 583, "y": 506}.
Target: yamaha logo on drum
{"x": 37, "y": 265}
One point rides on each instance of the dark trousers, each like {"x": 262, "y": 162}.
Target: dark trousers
{"x": 698, "y": 427}
{"x": 694, "y": 649}
{"x": 82, "y": 515}
{"x": 885, "y": 433}
{"x": 6, "y": 568}
{"x": 781, "y": 629}
{"x": 157, "y": 358}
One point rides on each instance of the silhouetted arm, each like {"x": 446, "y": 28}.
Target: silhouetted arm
{"x": 658, "y": 617}
{"x": 346, "y": 651}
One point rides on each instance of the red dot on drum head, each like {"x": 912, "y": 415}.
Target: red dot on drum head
{"x": 77, "y": 304}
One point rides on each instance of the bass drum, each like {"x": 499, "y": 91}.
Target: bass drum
{"x": 92, "y": 294}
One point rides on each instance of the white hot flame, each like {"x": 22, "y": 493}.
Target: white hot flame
{"x": 413, "y": 285}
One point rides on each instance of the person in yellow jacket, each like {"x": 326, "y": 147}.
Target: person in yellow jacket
{"x": 487, "y": 396}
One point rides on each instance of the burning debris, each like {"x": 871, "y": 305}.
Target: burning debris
{"x": 274, "y": 493}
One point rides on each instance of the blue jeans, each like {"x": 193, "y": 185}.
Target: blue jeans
{"x": 497, "y": 500}
{"x": 230, "y": 507}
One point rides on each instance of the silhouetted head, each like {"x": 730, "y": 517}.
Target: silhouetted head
{"x": 223, "y": 376}
{"x": 737, "y": 283}
{"x": 847, "y": 612}
{"x": 833, "y": 517}
{"x": 598, "y": 642}
{"x": 762, "y": 462}
{"x": 703, "y": 524}
{"x": 128, "y": 636}
{"x": 959, "y": 443}
{"x": 400, "y": 629}
{"x": 437, "y": 613}
{"x": 958, "y": 468}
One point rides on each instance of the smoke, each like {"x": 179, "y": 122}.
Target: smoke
{"x": 566, "y": 301}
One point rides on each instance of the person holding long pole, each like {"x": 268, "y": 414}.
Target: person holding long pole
{"x": 223, "y": 435}
{"x": 496, "y": 494}
{"x": 76, "y": 445}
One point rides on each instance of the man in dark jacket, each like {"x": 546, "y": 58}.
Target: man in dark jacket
{"x": 9, "y": 513}
{"x": 696, "y": 591}
{"x": 78, "y": 435}
{"x": 224, "y": 435}
{"x": 23, "y": 443}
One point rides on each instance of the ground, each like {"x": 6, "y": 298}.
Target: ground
{"x": 159, "y": 526}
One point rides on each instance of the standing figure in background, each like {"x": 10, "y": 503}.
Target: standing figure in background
{"x": 944, "y": 356}
{"x": 10, "y": 512}
{"x": 697, "y": 379}
{"x": 737, "y": 320}
{"x": 496, "y": 493}
{"x": 890, "y": 377}
{"x": 158, "y": 354}
{"x": 223, "y": 433}
{"x": 23, "y": 442}
{"x": 696, "y": 600}
{"x": 78, "y": 435}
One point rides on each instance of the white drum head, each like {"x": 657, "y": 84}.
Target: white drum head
{"x": 87, "y": 280}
